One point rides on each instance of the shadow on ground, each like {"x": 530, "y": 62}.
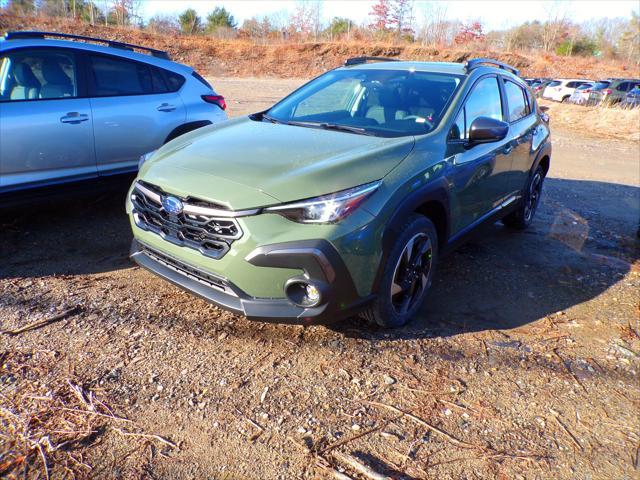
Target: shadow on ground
{"x": 581, "y": 243}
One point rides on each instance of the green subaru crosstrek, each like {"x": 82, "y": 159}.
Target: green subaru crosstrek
{"x": 338, "y": 200}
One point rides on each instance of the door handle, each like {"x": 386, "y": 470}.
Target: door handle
{"x": 165, "y": 107}
{"x": 507, "y": 149}
{"x": 74, "y": 118}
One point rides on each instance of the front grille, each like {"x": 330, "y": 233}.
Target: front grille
{"x": 210, "y": 235}
{"x": 188, "y": 271}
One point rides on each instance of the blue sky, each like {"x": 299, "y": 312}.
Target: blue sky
{"x": 494, "y": 14}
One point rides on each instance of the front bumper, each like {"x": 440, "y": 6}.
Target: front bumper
{"x": 318, "y": 259}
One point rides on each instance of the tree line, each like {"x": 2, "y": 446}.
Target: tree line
{"x": 398, "y": 21}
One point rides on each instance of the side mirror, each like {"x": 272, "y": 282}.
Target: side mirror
{"x": 486, "y": 130}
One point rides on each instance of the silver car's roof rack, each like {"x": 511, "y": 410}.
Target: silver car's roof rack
{"x": 359, "y": 60}
{"x": 477, "y": 62}
{"x": 111, "y": 43}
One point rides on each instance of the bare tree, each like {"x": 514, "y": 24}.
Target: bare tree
{"x": 556, "y": 23}
{"x": 432, "y": 24}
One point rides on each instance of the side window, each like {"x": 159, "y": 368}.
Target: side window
{"x": 484, "y": 101}
{"x": 38, "y": 75}
{"x": 573, "y": 84}
{"x": 516, "y": 101}
{"x": 457, "y": 132}
{"x": 623, "y": 87}
{"x": 174, "y": 80}
{"x": 157, "y": 79}
{"x": 110, "y": 76}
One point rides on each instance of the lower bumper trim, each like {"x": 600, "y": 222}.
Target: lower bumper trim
{"x": 229, "y": 297}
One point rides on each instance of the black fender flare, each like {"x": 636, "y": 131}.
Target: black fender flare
{"x": 434, "y": 191}
{"x": 186, "y": 128}
{"x": 545, "y": 151}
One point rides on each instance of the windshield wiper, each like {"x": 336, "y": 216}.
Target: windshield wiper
{"x": 271, "y": 119}
{"x": 332, "y": 126}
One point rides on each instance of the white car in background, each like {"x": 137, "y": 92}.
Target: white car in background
{"x": 580, "y": 95}
{"x": 560, "y": 90}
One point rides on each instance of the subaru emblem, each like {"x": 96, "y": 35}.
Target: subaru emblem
{"x": 172, "y": 205}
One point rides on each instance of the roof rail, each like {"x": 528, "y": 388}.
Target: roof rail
{"x": 477, "y": 62}
{"x": 359, "y": 60}
{"x": 111, "y": 43}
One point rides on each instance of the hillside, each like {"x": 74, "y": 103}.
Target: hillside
{"x": 246, "y": 59}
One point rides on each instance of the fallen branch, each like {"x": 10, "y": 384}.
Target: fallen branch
{"x": 575, "y": 377}
{"x": 568, "y": 432}
{"x": 424, "y": 423}
{"x": 351, "y": 439}
{"x": 42, "y": 323}
{"x": 325, "y": 465}
{"x": 361, "y": 468}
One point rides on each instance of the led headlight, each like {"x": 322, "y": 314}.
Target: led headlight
{"x": 327, "y": 208}
{"x": 145, "y": 157}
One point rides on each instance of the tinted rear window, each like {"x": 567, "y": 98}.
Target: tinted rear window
{"x": 174, "y": 80}
{"x": 113, "y": 76}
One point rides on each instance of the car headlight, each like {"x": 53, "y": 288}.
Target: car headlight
{"x": 327, "y": 208}
{"x": 145, "y": 157}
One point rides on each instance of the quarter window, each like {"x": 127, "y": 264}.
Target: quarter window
{"x": 38, "y": 75}
{"x": 516, "y": 101}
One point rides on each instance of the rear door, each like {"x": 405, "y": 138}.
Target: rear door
{"x": 135, "y": 107}
{"x": 46, "y": 133}
{"x": 522, "y": 127}
{"x": 482, "y": 173}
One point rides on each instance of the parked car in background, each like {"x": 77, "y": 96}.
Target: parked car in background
{"x": 615, "y": 92}
{"x": 539, "y": 85}
{"x": 338, "y": 200}
{"x": 580, "y": 95}
{"x": 74, "y": 110}
{"x": 561, "y": 89}
{"x": 632, "y": 99}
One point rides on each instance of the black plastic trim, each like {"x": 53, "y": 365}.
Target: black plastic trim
{"x": 341, "y": 298}
{"x": 435, "y": 191}
{"x": 186, "y": 128}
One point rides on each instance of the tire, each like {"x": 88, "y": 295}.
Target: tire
{"x": 565, "y": 99}
{"x": 521, "y": 218}
{"x": 409, "y": 275}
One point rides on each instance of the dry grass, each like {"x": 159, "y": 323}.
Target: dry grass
{"x": 51, "y": 426}
{"x": 598, "y": 121}
{"x": 247, "y": 59}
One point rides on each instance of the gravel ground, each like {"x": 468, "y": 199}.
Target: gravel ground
{"x": 523, "y": 363}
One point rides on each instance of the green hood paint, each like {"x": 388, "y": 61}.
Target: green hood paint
{"x": 245, "y": 163}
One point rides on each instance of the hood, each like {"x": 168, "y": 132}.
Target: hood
{"x": 244, "y": 163}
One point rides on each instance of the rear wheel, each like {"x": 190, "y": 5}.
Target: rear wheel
{"x": 523, "y": 216}
{"x": 407, "y": 274}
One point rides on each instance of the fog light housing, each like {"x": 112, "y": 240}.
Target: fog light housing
{"x": 304, "y": 293}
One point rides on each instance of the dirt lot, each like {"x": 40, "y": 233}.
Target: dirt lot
{"x": 522, "y": 364}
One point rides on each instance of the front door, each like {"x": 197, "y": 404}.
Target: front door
{"x": 134, "y": 111}
{"x": 46, "y": 131}
{"x": 480, "y": 174}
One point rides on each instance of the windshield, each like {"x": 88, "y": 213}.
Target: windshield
{"x": 601, "y": 85}
{"x": 387, "y": 103}
{"x": 584, "y": 86}
{"x": 555, "y": 83}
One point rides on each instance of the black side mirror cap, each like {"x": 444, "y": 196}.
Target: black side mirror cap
{"x": 487, "y": 130}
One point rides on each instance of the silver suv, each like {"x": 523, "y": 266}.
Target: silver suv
{"x": 74, "y": 110}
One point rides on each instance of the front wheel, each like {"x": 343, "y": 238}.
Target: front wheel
{"x": 523, "y": 216}
{"x": 407, "y": 275}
